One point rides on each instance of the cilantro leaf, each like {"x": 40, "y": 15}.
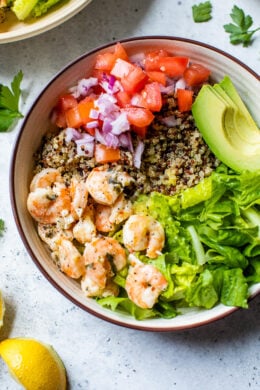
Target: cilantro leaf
{"x": 9, "y": 102}
{"x": 2, "y": 227}
{"x": 202, "y": 12}
{"x": 239, "y": 32}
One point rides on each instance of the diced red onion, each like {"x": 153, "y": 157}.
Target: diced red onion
{"x": 92, "y": 125}
{"x": 168, "y": 89}
{"x": 125, "y": 140}
{"x": 106, "y": 104}
{"x": 137, "y": 59}
{"x": 85, "y": 148}
{"x": 170, "y": 121}
{"x": 93, "y": 114}
{"x": 100, "y": 137}
{"x": 107, "y": 126}
{"x": 180, "y": 84}
{"x": 83, "y": 87}
{"x": 138, "y": 154}
{"x": 72, "y": 134}
{"x": 120, "y": 124}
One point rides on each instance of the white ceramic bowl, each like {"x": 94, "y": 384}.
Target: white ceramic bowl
{"x": 28, "y": 141}
{"x": 14, "y": 30}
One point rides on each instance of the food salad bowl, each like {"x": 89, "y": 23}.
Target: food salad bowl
{"x": 175, "y": 304}
{"x": 12, "y": 29}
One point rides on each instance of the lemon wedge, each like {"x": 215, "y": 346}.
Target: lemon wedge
{"x": 33, "y": 364}
{"x": 2, "y": 310}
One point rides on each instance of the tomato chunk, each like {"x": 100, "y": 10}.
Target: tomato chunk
{"x": 153, "y": 96}
{"x": 105, "y": 61}
{"x": 196, "y": 74}
{"x": 158, "y": 76}
{"x": 84, "y": 107}
{"x": 73, "y": 117}
{"x": 121, "y": 68}
{"x": 151, "y": 59}
{"x": 140, "y": 131}
{"x": 173, "y": 66}
{"x": 138, "y": 116}
{"x": 104, "y": 154}
{"x": 120, "y": 52}
{"x": 135, "y": 80}
{"x": 184, "y": 99}
{"x": 66, "y": 102}
{"x": 123, "y": 99}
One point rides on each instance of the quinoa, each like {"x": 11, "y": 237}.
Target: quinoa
{"x": 175, "y": 156}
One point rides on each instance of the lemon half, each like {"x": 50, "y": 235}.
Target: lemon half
{"x": 33, "y": 364}
{"x": 2, "y": 310}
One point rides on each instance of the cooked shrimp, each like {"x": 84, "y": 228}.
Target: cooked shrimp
{"x": 52, "y": 235}
{"x": 105, "y": 248}
{"x": 100, "y": 256}
{"x": 46, "y": 178}
{"x": 49, "y": 199}
{"x": 144, "y": 284}
{"x": 85, "y": 229}
{"x": 79, "y": 195}
{"x": 108, "y": 217}
{"x": 105, "y": 185}
{"x": 97, "y": 274}
{"x": 71, "y": 261}
{"x": 142, "y": 232}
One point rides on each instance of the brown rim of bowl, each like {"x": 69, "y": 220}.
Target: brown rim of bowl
{"x": 14, "y": 208}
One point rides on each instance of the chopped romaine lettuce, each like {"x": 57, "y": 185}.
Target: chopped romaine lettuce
{"x": 43, "y": 6}
{"x": 23, "y": 8}
{"x": 212, "y": 249}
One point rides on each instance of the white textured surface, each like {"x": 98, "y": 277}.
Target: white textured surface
{"x": 99, "y": 355}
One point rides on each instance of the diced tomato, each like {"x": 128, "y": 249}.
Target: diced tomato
{"x": 84, "y": 107}
{"x": 59, "y": 118}
{"x": 120, "y": 52}
{"x": 79, "y": 115}
{"x": 140, "y": 131}
{"x": 121, "y": 68}
{"x": 184, "y": 99}
{"x": 73, "y": 117}
{"x": 138, "y": 100}
{"x": 173, "y": 66}
{"x": 152, "y": 95}
{"x": 105, "y": 61}
{"x": 151, "y": 59}
{"x": 123, "y": 99}
{"x": 91, "y": 131}
{"x": 66, "y": 101}
{"x": 99, "y": 74}
{"x": 158, "y": 76}
{"x": 138, "y": 116}
{"x": 135, "y": 80}
{"x": 196, "y": 74}
{"x": 104, "y": 154}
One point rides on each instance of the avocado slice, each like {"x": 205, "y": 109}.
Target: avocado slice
{"x": 227, "y": 126}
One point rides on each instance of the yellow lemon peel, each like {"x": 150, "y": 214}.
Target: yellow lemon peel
{"x": 33, "y": 364}
{"x": 2, "y": 310}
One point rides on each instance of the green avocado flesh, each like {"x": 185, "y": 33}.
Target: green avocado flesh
{"x": 227, "y": 126}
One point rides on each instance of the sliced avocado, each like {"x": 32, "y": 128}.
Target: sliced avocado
{"x": 227, "y": 126}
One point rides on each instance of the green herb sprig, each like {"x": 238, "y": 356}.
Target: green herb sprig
{"x": 202, "y": 12}
{"x": 2, "y": 227}
{"x": 9, "y": 102}
{"x": 239, "y": 32}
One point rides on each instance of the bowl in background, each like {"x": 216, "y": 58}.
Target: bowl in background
{"x": 13, "y": 30}
{"x": 28, "y": 141}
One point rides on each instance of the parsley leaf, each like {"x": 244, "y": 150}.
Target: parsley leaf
{"x": 202, "y": 12}
{"x": 9, "y": 102}
{"x": 239, "y": 32}
{"x": 2, "y": 227}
